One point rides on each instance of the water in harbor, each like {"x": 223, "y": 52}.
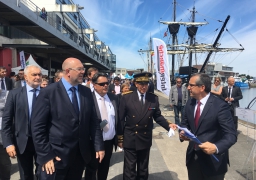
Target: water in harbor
{"x": 248, "y": 95}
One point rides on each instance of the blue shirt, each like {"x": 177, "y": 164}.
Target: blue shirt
{"x": 67, "y": 86}
{"x": 30, "y": 97}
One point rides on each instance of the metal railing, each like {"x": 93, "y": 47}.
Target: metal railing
{"x": 95, "y": 51}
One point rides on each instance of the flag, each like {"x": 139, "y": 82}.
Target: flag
{"x": 161, "y": 66}
{"x": 165, "y": 33}
{"x": 22, "y": 60}
{"x": 152, "y": 53}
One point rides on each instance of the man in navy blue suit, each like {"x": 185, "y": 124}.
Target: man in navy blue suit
{"x": 64, "y": 121}
{"x": 209, "y": 118}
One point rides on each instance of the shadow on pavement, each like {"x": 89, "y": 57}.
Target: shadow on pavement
{"x": 15, "y": 168}
{"x": 116, "y": 158}
{"x": 165, "y": 175}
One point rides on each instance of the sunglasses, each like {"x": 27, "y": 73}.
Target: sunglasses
{"x": 103, "y": 84}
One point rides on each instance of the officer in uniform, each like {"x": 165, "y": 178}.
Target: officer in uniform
{"x": 137, "y": 110}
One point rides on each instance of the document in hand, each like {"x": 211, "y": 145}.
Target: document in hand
{"x": 191, "y": 136}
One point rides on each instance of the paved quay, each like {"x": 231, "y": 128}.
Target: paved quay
{"x": 167, "y": 155}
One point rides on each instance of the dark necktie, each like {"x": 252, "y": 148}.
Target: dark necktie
{"x": 229, "y": 92}
{"x": 2, "y": 84}
{"x": 74, "y": 100}
{"x": 33, "y": 99}
{"x": 141, "y": 99}
{"x": 197, "y": 116}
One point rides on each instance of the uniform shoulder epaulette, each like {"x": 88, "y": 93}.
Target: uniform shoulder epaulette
{"x": 153, "y": 93}
{"x": 128, "y": 92}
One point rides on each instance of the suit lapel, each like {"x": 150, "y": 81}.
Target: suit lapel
{"x": 146, "y": 105}
{"x": 25, "y": 100}
{"x": 136, "y": 102}
{"x": 115, "y": 107}
{"x": 82, "y": 101}
{"x": 66, "y": 99}
{"x": 96, "y": 105}
{"x": 207, "y": 106}
{"x": 191, "y": 118}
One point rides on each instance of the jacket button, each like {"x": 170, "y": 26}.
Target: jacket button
{"x": 133, "y": 116}
{"x": 136, "y": 132}
{"x": 137, "y": 125}
{"x": 146, "y": 125}
{"x": 148, "y": 117}
{"x": 145, "y": 133}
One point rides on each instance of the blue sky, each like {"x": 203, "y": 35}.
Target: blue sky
{"x": 126, "y": 26}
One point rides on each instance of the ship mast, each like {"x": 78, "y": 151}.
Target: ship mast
{"x": 192, "y": 33}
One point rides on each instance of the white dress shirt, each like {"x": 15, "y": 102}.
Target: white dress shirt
{"x": 109, "y": 135}
{"x": 203, "y": 102}
{"x": 139, "y": 94}
{"x": 117, "y": 89}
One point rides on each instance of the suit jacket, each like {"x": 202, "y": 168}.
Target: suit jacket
{"x": 136, "y": 123}
{"x": 58, "y": 131}
{"x": 113, "y": 100}
{"x": 15, "y": 119}
{"x": 112, "y": 88}
{"x": 17, "y": 84}
{"x": 216, "y": 126}
{"x": 236, "y": 94}
{"x": 8, "y": 83}
{"x": 173, "y": 96}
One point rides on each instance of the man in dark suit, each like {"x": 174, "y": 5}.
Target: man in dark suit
{"x": 115, "y": 88}
{"x": 90, "y": 73}
{"x": 106, "y": 108}
{"x": 209, "y": 118}
{"x": 6, "y": 83}
{"x": 22, "y": 81}
{"x": 64, "y": 121}
{"x": 5, "y": 162}
{"x": 16, "y": 127}
{"x": 136, "y": 112}
{"x": 232, "y": 94}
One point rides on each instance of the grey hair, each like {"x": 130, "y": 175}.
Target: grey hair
{"x": 30, "y": 66}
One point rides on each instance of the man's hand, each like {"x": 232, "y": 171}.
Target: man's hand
{"x": 100, "y": 155}
{"x": 120, "y": 145}
{"x": 208, "y": 148}
{"x": 173, "y": 126}
{"x": 11, "y": 151}
{"x": 49, "y": 166}
{"x": 227, "y": 99}
{"x": 171, "y": 105}
{"x": 183, "y": 137}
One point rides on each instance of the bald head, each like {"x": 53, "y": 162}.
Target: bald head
{"x": 70, "y": 63}
{"x": 73, "y": 71}
{"x": 231, "y": 81}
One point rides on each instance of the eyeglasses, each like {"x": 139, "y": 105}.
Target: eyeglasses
{"x": 217, "y": 81}
{"x": 178, "y": 81}
{"x": 192, "y": 85}
{"x": 78, "y": 69}
{"x": 103, "y": 83}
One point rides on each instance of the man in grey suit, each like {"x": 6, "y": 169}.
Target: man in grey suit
{"x": 21, "y": 82}
{"x": 178, "y": 98}
{"x": 106, "y": 109}
{"x": 16, "y": 128}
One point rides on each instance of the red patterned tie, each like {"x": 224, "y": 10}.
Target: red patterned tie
{"x": 197, "y": 116}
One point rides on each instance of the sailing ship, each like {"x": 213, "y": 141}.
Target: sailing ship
{"x": 192, "y": 47}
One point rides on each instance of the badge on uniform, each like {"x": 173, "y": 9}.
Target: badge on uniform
{"x": 151, "y": 109}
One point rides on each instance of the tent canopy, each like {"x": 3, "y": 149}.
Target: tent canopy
{"x": 30, "y": 61}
